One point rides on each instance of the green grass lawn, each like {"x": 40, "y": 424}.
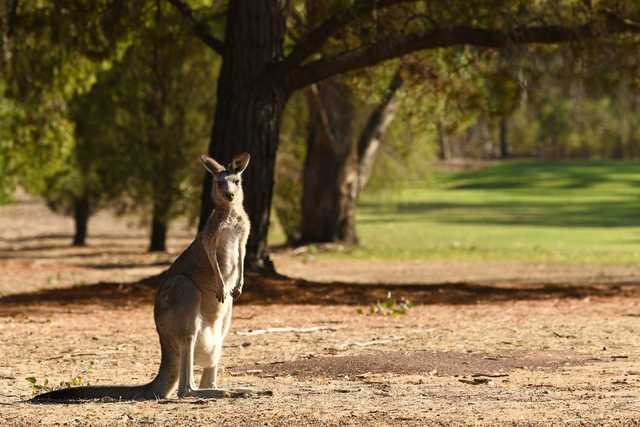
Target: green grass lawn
{"x": 578, "y": 212}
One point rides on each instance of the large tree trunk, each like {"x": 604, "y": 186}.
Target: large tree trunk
{"x": 248, "y": 113}
{"x": 338, "y": 166}
{"x": 81, "y": 215}
{"x": 330, "y": 172}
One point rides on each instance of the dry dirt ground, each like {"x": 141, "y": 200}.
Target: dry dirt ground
{"x": 483, "y": 344}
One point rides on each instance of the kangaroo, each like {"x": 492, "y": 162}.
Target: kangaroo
{"x": 192, "y": 309}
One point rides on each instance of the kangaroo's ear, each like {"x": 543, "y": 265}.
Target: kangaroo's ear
{"x": 239, "y": 163}
{"x": 211, "y": 165}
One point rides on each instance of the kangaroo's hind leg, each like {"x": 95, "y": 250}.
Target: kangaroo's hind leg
{"x": 178, "y": 320}
{"x": 185, "y": 385}
{"x": 166, "y": 380}
{"x": 208, "y": 382}
{"x": 210, "y": 373}
{"x": 209, "y": 377}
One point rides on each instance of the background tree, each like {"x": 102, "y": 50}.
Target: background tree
{"x": 340, "y": 157}
{"x": 158, "y": 97}
{"x": 51, "y": 52}
{"x": 131, "y": 95}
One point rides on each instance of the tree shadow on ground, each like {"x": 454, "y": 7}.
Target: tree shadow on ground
{"x": 548, "y": 175}
{"x": 26, "y": 255}
{"x": 66, "y": 238}
{"x": 560, "y": 213}
{"x": 284, "y": 290}
{"x": 125, "y": 265}
{"x": 529, "y": 194}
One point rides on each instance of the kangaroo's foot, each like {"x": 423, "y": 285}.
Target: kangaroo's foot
{"x": 220, "y": 393}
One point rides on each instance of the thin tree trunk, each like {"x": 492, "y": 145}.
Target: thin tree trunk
{"x": 8, "y": 12}
{"x": 504, "y": 141}
{"x": 444, "y": 151}
{"x": 160, "y": 215}
{"x": 248, "y": 113}
{"x": 159, "y": 225}
{"x": 163, "y": 181}
{"x": 81, "y": 214}
{"x": 375, "y": 128}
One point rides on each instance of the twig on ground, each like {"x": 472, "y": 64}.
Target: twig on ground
{"x": 498, "y": 375}
{"x": 563, "y": 336}
{"x": 369, "y": 343}
{"x": 287, "y": 329}
{"x": 60, "y": 356}
{"x": 475, "y": 381}
{"x": 347, "y": 390}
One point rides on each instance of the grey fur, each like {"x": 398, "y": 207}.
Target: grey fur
{"x": 193, "y": 306}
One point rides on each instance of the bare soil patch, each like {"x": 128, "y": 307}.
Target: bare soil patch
{"x": 446, "y": 363}
{"x": 512, "y": 347}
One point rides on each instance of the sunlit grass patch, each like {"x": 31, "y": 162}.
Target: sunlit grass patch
{"x": 539, "y": 211}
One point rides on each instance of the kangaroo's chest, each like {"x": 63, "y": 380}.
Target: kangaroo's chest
{"x": 228, "y": 249}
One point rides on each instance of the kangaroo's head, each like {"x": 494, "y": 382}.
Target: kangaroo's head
{"x": 227, "y": 182}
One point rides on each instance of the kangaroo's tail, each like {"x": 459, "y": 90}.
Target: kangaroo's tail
{"x": 142, "y": 392}
{"x": 162, "y": 385}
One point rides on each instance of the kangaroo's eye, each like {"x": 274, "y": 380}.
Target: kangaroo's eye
{"x": 236, "y": 181}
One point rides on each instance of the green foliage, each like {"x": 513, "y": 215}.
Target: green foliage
{"x": 51, "y": 52}
{"x": 406, "y": 155}
{"x": 46, "y": 387}
{"x": 137, "y": 125}
{"x": 389, "y": 307}
{"x": 38, "y": 388}
{"x": 159, "y": 97}
{"x": 568, "y": 122}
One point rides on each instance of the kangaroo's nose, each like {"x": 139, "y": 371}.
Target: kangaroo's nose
{"x": 228, "y": 195}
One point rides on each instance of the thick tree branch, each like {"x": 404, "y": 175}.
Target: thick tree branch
{"x": 317, "y": 37}
{"x": 375, "y": 128}
{"x": 368, "y": 55}
{"x": 199, "y": 29}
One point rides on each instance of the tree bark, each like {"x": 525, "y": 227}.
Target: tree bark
{"x": 9, "y": 10}
{"x": 159, "y": 225}
{"x": 444, "y": 151}
{"x": 504, "y": 141}
{"x": 375, "y": 128}
{"x": 330, "y": 175}
{"x": 248, "y": 113}
{"x": 338, "y": 166}
{"x": 81, "y": 215}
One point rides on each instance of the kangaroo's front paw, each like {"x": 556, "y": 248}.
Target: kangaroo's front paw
{"x": 220, "y": 294}
{"x": 236, "y": 292}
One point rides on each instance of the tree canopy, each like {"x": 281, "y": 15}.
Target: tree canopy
{"x": 54, "y": 52}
